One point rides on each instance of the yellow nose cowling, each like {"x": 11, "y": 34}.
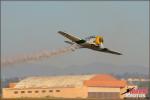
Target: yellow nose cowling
{"x": 99, "y": 40}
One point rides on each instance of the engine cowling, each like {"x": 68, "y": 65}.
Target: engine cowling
{"x": 98, "y": 40}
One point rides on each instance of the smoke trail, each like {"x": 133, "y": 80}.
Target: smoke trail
{"x": 37, "y": 56}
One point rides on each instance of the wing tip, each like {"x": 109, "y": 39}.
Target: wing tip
{"x": 120, "y": 54}
{"x": 117, "y": 53}
{"x": 60, "y": 32}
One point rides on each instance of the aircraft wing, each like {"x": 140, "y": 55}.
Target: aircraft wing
{"x": 70, "y": 37}
{"x": 106, "y": 50}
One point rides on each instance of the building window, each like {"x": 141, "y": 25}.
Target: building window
{"x": 57, "y": 90}
{"x": 36, "y": 91}
{"x": 16, "y": 92}
{"x": 50, "y": 90}
{"x": 43, "y": 91}
{"x": 22, "y": 91}
{"x": 29, "y": 91}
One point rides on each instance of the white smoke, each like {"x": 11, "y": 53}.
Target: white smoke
{"x": 37, "y": 56}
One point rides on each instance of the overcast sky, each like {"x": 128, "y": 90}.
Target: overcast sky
{"x": 28, "y": 27}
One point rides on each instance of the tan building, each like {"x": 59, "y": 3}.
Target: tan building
{"x": 74, "y": 86}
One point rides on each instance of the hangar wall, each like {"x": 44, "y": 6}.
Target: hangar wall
{"x": 45, "y": 92}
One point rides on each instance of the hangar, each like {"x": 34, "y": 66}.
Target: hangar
{"x": 102, "y": 86}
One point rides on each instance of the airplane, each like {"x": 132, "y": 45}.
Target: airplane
{"x": 91, "y": 42}
{"x": 128, "y": 90}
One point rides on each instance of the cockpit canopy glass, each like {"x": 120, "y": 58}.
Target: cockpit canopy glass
{"x": 90, "y": 37}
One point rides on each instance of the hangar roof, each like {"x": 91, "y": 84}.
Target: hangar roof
{"x": 53, "y": 81}
{"x": 99, "y": 80}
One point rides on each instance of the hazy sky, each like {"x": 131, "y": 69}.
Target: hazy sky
{"x": 28, "y": 27}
